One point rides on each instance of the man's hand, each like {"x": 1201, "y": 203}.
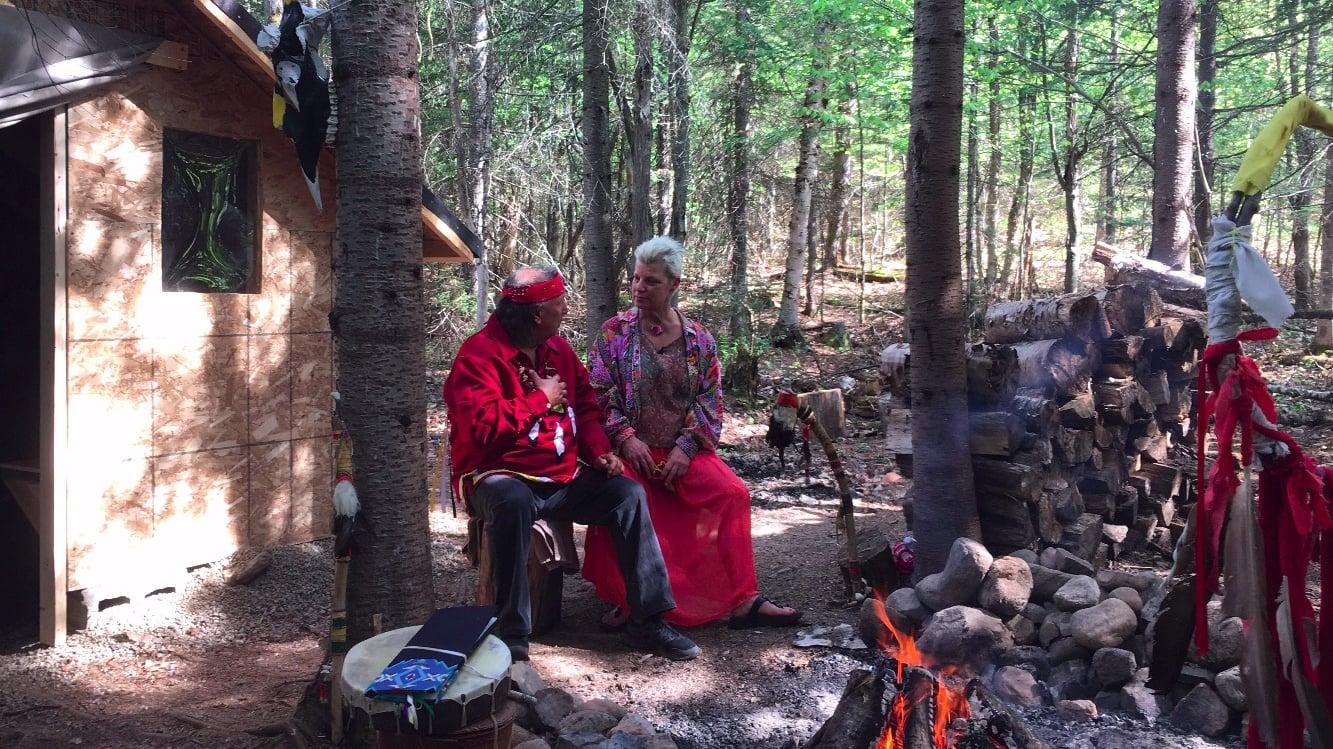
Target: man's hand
{"x": 637, "y": 455}
{"x": 609, "y": 464}
{"x": 552, "y": 386}
{"x": 676, "y": 465}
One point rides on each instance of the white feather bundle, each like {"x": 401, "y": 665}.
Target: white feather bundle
{"x": 345, "y": 501}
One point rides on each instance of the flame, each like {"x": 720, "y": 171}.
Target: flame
{"x": 950, "y": 700}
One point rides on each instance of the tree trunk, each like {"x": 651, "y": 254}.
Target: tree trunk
{"x": 641, "y": 135}
{"x": 1323, "y": 338}
{"x": 678, "y": 52}
{"x": 598, "y": 242}
{"x": 811, "y": 245}
{"x": 1069, "y": 179}
{"x": 945, "y": 505}
{"x": 1305, "y": 154}
{"x": 1205, "y": 169}
{"x": 842, "y": 173}
{"x": 663, "y": 183}
{"x": 378, "y": 317}
{"x": 993, "y": 166}
{"x": 1173, "y": 126}
{"x": 787, "y": 327}
{"x": 971, "y": 246}
{"x": 738, "y": 196}
{"x": 1027, "y": 102}
{"x": 481, "y": 116}
{"x": 1106, "y": 224}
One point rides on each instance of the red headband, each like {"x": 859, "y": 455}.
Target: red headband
{"x": 535, "y": 293}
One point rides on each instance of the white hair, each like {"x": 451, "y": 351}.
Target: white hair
{"x": 664, "y": 250}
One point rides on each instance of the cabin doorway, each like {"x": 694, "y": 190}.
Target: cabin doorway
{"x": 21, "y": 163}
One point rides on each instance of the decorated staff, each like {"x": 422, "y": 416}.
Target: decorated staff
{"x": 1264, "y": 549}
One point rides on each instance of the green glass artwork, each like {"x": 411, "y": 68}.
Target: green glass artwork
{"x": 208, "y": 242}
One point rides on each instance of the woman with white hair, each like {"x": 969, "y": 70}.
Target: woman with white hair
{"x": 658, "y": 382}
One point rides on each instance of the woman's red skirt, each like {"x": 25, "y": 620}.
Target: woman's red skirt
{"x": 704, "y": 530}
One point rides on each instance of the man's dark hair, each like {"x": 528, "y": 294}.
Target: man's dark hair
{"x": 518, "y": 318}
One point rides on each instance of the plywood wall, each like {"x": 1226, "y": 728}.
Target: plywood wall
{"x": 198, "y": 423}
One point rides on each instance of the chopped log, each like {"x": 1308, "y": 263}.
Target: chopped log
{"x": 1122, "y": 348}
{"x": 1096, "y": 459}
{"x": 993, "y": 433}
{"x": 252, "y": 570}
{"x": 1174, "y": 286}
{"x": 1101, "y": 505}
{"x": 829, "y": 410}
{"x": 1323, "y": 396}
{"x": 1126, "y": 506}
{"x": 995, "y": 724}
{"x": 859, "y": 716}
{"x": 1177, "y": 408}
{"x": 1073, "y": 446}
{"x": 992, "y": 375}
{"x": 1058, "y": 366}
{"x": 874, "y": 554}
{"x": 1161, "y": 337}
{"x": 1158, "y": 387}
{"x": 1083, "y": 536}
{"x": 1002, "y": 477}
{"x": 1117, "y": 401}
{"x": 1131, "y": 307}
{"x": 1068, "y": 502}
{"x": 1006, "y": 521}
{"x": 1080, "y": 412}
{"x": 1045, "y": 517}
{"x": 1190, "y": 340}
{"x": 1036, "y": 452}
{"x": 1040, "y": 414}
{"x": 1155, "y": 449}
{"x": 1108, "y": 435}
{"x": 1163, "y": 479}
{"x": 1071, "y": 315}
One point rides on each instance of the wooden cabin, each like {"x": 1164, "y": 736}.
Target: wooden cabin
{"x": 167, "y": 287}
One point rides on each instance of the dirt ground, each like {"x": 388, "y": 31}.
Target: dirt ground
{"x": 208, "y": 665}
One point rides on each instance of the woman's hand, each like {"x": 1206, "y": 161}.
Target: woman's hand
{"x": 676, "y": 465}
{"x": 637, "y": 455}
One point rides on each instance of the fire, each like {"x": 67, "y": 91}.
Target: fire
{"x": 950, "y": 701}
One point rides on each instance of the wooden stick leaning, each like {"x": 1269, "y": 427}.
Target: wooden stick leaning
{"x": 846, "y": 519}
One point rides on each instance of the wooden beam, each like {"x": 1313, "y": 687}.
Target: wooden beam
{"x": 51, "y": 529}
{"x": 435, "y": 226}
{"x": 238, "y": 38}
{"x": 174, "y": 55}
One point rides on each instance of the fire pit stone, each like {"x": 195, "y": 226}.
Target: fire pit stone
{"x": 905, "y": 609}
{"x": 1105, "y": 625}
{"x": 1045, "y": 581}
{"x": 1022, "y": 629}
{"x": 1203, "y": 711}
{"x": 1034, "y": 613}
{"x": 1140, "y": 581}
{"x": 1113, "y": 667}
{"x": 1056, "y": 625}
{"x": 964, "y": 635}
{"x": 1006, "y": 587}
{"x": 1028, "y": 657}
{"x": 1016, "y": 685}
{"x": 1067, "y": 649}
{"x": 1064, "y": 560}
{"x": 1129, "y": 596}
{"x": 1232, "y": 690}
{"x": 1079, "y": 593}
{"x": 958, "y": 583}
{"x": 1069, "y": 681}
{"x": 1076, "y": 711}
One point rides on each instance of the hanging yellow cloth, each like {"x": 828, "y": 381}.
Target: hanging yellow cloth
{"x": 1257, "y": 167}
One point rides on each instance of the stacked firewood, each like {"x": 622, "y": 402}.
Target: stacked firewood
{"x": 1079, "y": 423}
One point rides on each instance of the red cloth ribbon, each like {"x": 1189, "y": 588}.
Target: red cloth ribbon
{"x": 535, "y": 293}
{"x": 788, "y": 399}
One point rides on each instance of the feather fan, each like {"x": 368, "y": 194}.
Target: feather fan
{"x": 1317, "y": 719}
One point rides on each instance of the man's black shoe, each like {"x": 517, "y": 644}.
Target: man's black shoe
{"x": 518, "y": 650}
{"x": 656, "y": 636}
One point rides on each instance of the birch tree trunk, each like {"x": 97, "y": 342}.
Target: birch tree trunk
{"x": 1106, "y": 224}
{"x": 481, "y": 117}
{"x": 971, "y": 247}
{"x": 1173, "y": 127}
{"x": 1069, "y": 177}
{"x": 1305, "y": 154}
{"x": 378, "y": 316}
{"x": 993, "y": 165}
{"x": 598, "y": 242}
{"x": 738, "y": 195}
{"x": 641, "y": 117}
{"x": 945, "y": 503}
{"x": 788, "y": 327}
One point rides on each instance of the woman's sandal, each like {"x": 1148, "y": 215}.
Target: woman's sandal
{"x": 755, "y": 618}
{"x": 614, "y": 614}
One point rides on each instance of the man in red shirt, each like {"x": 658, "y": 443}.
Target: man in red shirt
{"x": 526, "y": 442}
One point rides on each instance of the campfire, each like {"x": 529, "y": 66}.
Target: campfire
{"x": 910, "y": 701}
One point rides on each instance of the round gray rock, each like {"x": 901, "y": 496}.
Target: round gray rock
{"x": 1016, "y": 685}
{"x": 587, "y": 721}
{"x": 553, "y": 704}
{"x": 1105, "y": 625}
{"x": 962, "y": 634}
{"x": 1079, "y": 593}
{"x": 961, "y": 578}
{"x": 1076, "y": 711}
{"x": 1231, "y": 688}
{"x": 1006, "y": 587}
{"x": 1113, "y": 667}
{"x": 905, "y": 608}
{"x": 1202, "y": 711}
{"x": 1129, "y": 596}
